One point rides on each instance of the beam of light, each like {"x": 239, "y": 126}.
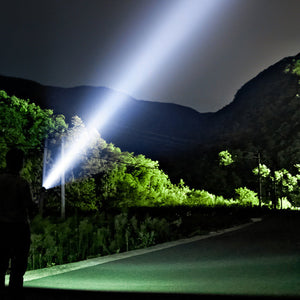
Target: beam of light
{"x": 167, "y": 35}
{"x": 72, "y": 155}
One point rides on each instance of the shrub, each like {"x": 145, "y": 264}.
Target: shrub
{"x": 246, "y": 197}
{"x": 58, "y": 242}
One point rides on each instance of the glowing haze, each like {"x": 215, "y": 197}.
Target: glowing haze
{"x": 172, "y": 30}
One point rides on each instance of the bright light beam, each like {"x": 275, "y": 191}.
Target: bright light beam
{"x": 168, "y": 34}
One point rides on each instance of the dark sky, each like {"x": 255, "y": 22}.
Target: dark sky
{"x": 69, "y": 43}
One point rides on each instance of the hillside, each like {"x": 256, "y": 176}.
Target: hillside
{"x": 152, "y": 128}
{"x": 263, "y": 117}
{"x": 265, "y": 112}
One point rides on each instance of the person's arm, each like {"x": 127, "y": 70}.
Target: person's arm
{"x": 29, "y": 204}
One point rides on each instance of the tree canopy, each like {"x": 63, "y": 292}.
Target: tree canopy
{"x": 104, "y": 177}
{"x": 24, "y": 124}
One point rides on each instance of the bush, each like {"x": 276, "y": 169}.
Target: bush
{"x": 58, "y": 242}
{"x": 246, "y": 197}
{"x": 284, "y": 203}
{"x": 206, "y": 199}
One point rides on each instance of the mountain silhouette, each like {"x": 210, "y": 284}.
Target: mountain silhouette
{"x": 143, "y": 127}
{"x": 264, "y": 117}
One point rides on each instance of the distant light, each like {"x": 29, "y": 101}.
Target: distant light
{"x": 177, "y": 25}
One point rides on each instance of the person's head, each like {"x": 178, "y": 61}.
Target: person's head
{"x": 15, "y": 160}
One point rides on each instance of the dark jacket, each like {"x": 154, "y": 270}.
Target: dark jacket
{"x": 15, "y": 198}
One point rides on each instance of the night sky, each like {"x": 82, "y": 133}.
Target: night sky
{"x": 70, "y": 43}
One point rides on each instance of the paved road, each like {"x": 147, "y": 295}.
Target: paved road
{"x": 260, "y": 259}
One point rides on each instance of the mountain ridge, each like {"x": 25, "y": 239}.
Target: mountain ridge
{"x": 264, "y": 117}
{"x": 167, "y": 120}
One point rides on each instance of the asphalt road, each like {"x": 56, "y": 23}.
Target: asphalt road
{"x": 260, "y": 259}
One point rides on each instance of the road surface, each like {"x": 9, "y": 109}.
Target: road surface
{"x": 260, "y": 259}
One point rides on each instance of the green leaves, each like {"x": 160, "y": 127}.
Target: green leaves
{"x": 262, "y": 171}
{"x": 23, "y": 124}
{"x": 296, "y": 68}
{"x": 293, "y": 68}
{"x": 286, "y": 180}
{"x": 246, "y": 196}
{"x": 279, "y": 185}
{"x": 225, "y": 158}
{"x": 81, "y": 194}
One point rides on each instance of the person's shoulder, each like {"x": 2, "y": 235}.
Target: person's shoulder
{"x": 13, "y": 176}
{"x": 4, "y": 174}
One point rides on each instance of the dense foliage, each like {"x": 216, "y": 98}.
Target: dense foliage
{"x": 279, "y": 188}
{"x": 104, "y": 184}
{"x": 58, "y": 242}
{"x": 104, "y": 177}
{"x": 25, "y": 125}
{"x": 78, "y": 238}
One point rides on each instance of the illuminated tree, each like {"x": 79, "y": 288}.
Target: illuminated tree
{"x": 134, "y": 180}
{"x": 22, "y": 124}
{"x": 263, "y": 170}
{"x": 246, "y": 196}
{"x": 25, "y": 125}
{"x": 225, "y": 158}
{"x": 81, "y": 195}
{"x": 285, "y": 184}
{"x": 80, "y": 188}
{"x": 281, "y": 183}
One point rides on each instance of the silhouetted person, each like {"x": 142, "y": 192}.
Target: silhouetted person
{"x": 15, "y": 201}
